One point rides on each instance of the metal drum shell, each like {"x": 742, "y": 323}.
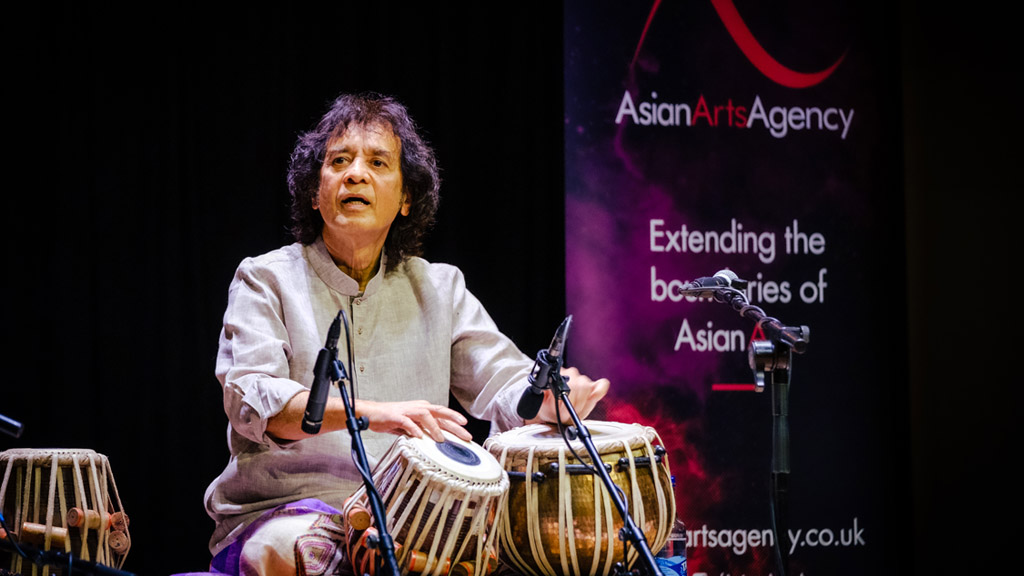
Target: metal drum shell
{"x": 543, "y": 502}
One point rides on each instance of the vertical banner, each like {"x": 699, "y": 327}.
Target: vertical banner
{"x": 761, "y": 138}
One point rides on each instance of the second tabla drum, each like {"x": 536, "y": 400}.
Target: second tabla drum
{"x": 559, "y": 518}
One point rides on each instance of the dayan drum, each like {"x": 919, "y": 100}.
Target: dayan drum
{"x": 63, "y": 500}
{"x": 441, "y": 502}
{"x": 559, "y": 518}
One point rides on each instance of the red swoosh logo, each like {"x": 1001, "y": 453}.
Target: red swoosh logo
{"x": 757, "y": 55}
{"x": 752, "y": 49}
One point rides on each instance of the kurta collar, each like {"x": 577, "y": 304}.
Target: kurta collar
{"x": 329, "y": 272}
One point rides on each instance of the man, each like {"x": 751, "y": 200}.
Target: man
{"x": 364, "y": 189}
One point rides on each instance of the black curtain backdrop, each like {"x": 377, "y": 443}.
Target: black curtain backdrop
{"x": 146, "y": 158}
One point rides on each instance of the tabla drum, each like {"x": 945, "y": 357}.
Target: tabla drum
{"x": 559, "y": 519}
{"x": 63, "y": 500}
{"x": 441, "y": 502}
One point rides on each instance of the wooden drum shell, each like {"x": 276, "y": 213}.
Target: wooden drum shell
{"x": 63, "y": 500}
{"x": 441, "y": 514}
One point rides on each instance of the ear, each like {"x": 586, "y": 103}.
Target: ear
{"x": 406, "y": 205}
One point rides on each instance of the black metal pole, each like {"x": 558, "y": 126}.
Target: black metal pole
{"x": 780, "y": 464}
{"x": 771, "y": 361}
{"x": 385, "y": 543}
{"x": 630, "y": 530}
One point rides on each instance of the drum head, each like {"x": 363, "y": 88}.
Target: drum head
{"x": 547, "y": 436}
{"x": 459, "y": 458}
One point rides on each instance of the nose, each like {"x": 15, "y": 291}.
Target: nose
{"x": 356, "y": 173}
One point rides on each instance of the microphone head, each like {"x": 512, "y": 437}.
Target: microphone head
{"x": 529, "y": 403}
{"x": 726, "y": 275}
{"x": 731, "y": 279}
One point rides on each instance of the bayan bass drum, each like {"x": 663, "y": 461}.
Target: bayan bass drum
{"x": 558, "y": 519}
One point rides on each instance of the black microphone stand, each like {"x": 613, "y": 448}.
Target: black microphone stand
{"x": 630, "y": 531}
{"x": 383, "y": 540}
{"x": 771, "y": 360}
{"x": 59, "y": 559}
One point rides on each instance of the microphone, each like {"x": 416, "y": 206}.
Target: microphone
{"x": 314, "y": 416}
{"x": 547, "y": 361}
{"x": 708, "y": 286}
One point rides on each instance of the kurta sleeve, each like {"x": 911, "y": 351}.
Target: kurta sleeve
{"x": 489, "y": 372}
{"x": 253, "y": 356}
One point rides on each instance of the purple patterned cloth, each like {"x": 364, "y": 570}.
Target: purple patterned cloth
{"x": 227, "y": 561}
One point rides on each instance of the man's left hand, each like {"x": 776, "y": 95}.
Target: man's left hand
{"x": 584, "y": 394}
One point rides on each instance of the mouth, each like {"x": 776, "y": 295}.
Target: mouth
{"x": 355, "y": 200}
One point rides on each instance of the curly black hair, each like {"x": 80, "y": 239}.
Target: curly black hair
{"x": 420, "y": 177}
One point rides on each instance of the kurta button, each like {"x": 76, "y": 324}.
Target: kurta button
{"x": 358, "y": 301}
{"x": 362, "y": 368}
{"x": 359, "y": 330}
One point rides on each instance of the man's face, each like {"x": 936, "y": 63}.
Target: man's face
{"x": 361, "y": 187}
